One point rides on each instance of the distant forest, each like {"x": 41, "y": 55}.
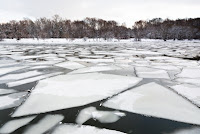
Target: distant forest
{"x": 98, "y": 28}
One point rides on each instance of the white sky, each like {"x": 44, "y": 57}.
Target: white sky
{"x": 127, "y": 11}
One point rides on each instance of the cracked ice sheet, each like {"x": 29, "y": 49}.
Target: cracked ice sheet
{"x": 12, "y": 100}
{"x": 13, "y": 125}
{"x": 189, "y": 91}
{"x": 101, "y": 116}
{"x": 12, "y": 77}
{"x": 154, "y": 100}
{"x": 29, "y": 80}
{"x": 70, "y": 65}
{"x": 44, "y": 124}
{"x": 145, "y": 72}
{"x": 10, "y": 69}
{"x": 95, "y": 69}
{"x": 190, "y": 73}
{"x": 67, "y": 91}
{"x": 83, "y": 129}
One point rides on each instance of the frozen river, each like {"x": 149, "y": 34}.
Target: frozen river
{"x": 149, "y": 87}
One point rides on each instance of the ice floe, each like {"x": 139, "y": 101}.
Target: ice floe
{"x": 190, "y": 73}
{"x": 24, "y": 75}
{"x": 189, "y": 81}
{"x": 74, "y": 129}
{"x": 44, "y": 124}
{"x": 70, "y": 65}
{"x": 101, "y": 116}
{"x": 15, "y": 124}
{"x": 66, "y": 91}
{"x": 95, "y": 69}
{"x": 155, "y": 100}
{"x": 189, "y": 91}
{"x": 92, "y": 60}
{"x": 145, "y": 72}
{"x": 29, "y": 80}
{"x": 10, "y": 69}
{"x": 12, "y": 100}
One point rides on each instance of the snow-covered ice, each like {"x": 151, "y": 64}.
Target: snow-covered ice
{"x": 74, "y": 129}
{"x": 66, "y": 91}
{"x": 154, "y": 100}
{"x": 13, "y": 125}
{"x": 44, "y": 124}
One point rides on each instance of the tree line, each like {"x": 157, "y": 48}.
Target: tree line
{"x": 57, "y": 27}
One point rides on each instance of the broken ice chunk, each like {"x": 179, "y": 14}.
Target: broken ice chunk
{"x": 189, "y": 81}
{"x": 13, "y": 125}
{"x": 20, "y": 76}
{"x": 189, "y": 91}
{"x": 95, "y": 69}
{"x": 10, "y": 69}
{"x": 29, "y": 80}
{"x": 155, "y": 100}
{"x": 12, "y": 100}
{"x": 44, "y": 124}
{"x": 70, "y": 65}
{"x": 85, "y": 115}
{"x": 145, "y": 72}
{"x": 92, "y": 60}
{"x": 107, "y": 116}
{"x": 67, "y": 91}
{"x": 101, "y": 116}
{"x": 190, "y": 73}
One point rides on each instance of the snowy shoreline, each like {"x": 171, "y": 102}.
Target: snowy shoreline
{"x": 83, "y": 41}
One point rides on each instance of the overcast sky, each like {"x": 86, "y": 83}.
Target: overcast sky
{"x": 127, "y": 11}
